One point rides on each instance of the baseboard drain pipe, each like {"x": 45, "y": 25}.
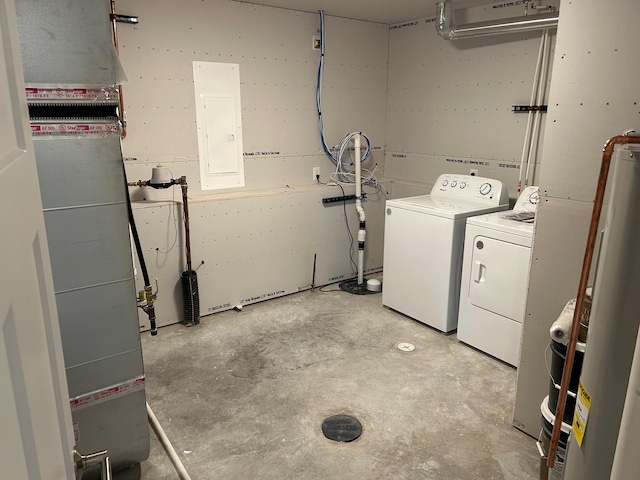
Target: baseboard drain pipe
{"x": 166, "y": 444}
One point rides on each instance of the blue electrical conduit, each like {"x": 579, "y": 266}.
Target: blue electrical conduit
{"x": 343, "y": 144}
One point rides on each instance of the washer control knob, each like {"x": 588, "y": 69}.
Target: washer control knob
{"x": 485, "y": 188}
{"x": 445, "y": 183}
{"x": 463, "y": 184}
{"x": 453, "y": 184}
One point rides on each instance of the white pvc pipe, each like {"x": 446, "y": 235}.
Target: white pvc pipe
{"x": 360, "y": 267}
{"x": 362, "y": 234}
{"x": 357, "y": 147}
{"x": 540, "y": 99}
{"x": 534, "y": 91}
{"x": 166, "y": 444}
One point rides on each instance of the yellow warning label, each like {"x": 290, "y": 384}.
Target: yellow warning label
{"x": 583, "y": 404}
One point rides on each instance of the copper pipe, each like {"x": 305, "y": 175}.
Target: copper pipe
{"x": 139, "y": 183}
{"x": 607, "y": 153}
{"x": 182, "y": 181}
{"x": 114, "y": 31}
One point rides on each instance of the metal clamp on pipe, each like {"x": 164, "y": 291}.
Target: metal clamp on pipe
{"x": 146, "y": 299}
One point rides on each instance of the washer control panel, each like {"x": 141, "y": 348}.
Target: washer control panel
{"x": 471, "y": 188}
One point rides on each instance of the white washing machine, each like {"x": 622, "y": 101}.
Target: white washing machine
{"x": 423, "y": 244}
{"x": 495, "y": 279}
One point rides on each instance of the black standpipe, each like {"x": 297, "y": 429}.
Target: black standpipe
{"x": 189, "y": 278}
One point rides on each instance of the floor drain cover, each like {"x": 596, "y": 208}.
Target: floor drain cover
{"x": 406, "y": 347}
{"x": 342, "y": 428}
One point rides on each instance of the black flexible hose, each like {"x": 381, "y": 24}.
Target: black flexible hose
{"x": 150, "y": 309}
{"x": 136, "y": 239}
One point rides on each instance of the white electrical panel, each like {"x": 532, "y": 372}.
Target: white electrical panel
{"x": 218, "y": 118}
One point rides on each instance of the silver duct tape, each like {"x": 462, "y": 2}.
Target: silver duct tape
{"x": 83, "y": 129}
{"x": 104, "y": 395}
{"x": 101, "y": 95}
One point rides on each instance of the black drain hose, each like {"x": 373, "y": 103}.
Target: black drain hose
{"x": 136, "y": 241}
{"x": 149, "y": 308}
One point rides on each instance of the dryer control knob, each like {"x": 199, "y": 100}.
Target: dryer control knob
{"x": 534, "y": 198}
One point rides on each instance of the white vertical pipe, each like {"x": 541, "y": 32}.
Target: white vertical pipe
{"x": 357, "y": 147}
{"x": 540, "y": 98}
{"x": 534, "y": 92}
{"x": 361, "y": 216}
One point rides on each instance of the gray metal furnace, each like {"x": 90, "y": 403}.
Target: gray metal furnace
{"x": 71, "y": 69}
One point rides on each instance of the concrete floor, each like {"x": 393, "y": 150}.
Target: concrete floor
{"x": 243, "y": 395}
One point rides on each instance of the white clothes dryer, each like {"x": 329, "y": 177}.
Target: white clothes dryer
{"x": 495, "y": 278}
{"x": 423, "y": 244}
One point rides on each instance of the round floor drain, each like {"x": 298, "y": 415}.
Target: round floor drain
{"x": 342, "y": 428}
{"x": 406, "y": 347}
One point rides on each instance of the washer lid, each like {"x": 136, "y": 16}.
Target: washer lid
{"x": 443, "y": 206}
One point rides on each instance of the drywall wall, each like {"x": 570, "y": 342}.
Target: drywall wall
{"x": 250, "y": 241}
{"x": 592, "y": 98}
{"x": 278, "y": 70}
{"x": 450, "y": 102}
{"x": 251, "y": 248}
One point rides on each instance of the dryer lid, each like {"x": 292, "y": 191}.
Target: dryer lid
{"x": 496, "y": 221}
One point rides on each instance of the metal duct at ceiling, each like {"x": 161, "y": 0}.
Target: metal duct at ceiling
{"x": 447, "y": 29}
